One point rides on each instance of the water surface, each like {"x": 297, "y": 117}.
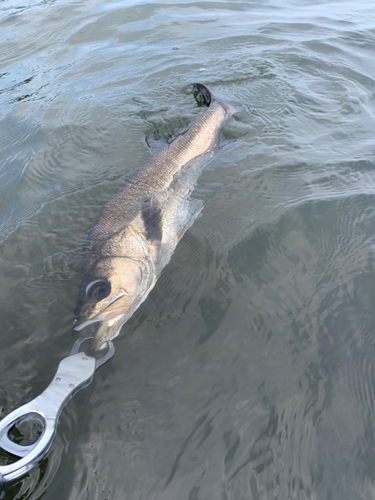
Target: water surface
{"x": 248, "y": 373}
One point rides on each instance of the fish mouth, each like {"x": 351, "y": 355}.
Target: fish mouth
{"x": 107, "y": 324}
{"x": 101, "y": 330}
{"x": 103, "y": 315}
{"x": 107, "y": 330}
{"x": 103, "y": 326}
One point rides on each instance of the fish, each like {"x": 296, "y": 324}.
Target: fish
{"x": 139, "y": 228}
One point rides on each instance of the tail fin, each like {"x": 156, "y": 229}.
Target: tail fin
{"x": 205, "y": 97}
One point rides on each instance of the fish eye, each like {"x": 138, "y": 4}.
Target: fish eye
{"x": 98, "y": 290}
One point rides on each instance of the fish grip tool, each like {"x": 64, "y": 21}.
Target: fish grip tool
{"x": 74, "y": 372}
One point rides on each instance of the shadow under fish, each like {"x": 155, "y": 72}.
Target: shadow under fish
{"x": 139, "y": 228}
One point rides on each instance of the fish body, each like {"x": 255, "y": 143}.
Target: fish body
{"x": 139, "y": 228}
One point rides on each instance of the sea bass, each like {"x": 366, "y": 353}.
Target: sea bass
{"x": 139, "y": 228}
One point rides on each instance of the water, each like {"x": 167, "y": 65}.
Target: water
{"x": 249, "y": 371}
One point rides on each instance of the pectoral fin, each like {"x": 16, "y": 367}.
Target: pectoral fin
{"x": 192, "y": 210}
{"x": 153, "y": 219}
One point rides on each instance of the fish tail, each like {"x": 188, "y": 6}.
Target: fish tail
{"x": 203, "y": 92}
{"x": 206, "y": 97}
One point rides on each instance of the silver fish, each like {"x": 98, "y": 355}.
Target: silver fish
{"x": 139, "y": 228}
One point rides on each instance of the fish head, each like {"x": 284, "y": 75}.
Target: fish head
{"x": 111, "y": 289}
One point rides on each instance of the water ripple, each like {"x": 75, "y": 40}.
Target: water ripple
{"x": 248, "y": 367}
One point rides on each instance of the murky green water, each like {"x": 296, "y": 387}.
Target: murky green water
{"x": 249, "y": 371}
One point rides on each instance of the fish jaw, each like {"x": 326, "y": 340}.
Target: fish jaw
{"x": 108, "y": 330}
{"x": 102, "y": 330}
{"x": 107, "y": 325}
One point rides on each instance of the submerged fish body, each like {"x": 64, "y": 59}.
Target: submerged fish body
{"x": 140, "y": 226}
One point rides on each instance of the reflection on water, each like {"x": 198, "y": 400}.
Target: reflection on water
{"x": 248, "y": 372}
